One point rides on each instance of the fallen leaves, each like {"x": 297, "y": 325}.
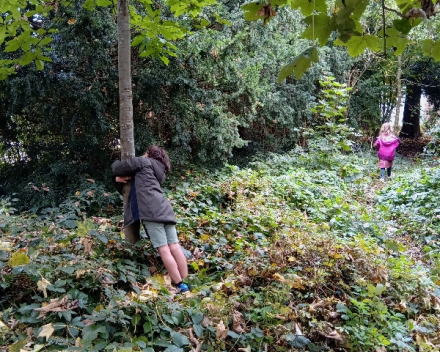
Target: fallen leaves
{"x": 222, "y": 331}
{"x": 293, "y": 281}
{"x": 57, "y": 305}
{"x": 42, "y": 285}
{"x": 46, "y": 331}
{"x": 238, "y": 322}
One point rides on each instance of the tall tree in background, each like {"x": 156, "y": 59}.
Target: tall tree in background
{"x": 411, "y": 111}
{"x": 126, "y": 102}
{"x": 399, "y": 93}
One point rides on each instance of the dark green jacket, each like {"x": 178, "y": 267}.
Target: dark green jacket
{"x": 146, "y": 200}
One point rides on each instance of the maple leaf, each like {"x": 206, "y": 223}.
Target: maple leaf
{"x": 47, "y": 331}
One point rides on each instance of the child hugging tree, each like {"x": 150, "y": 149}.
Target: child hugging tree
{"x": 148, "y": 204}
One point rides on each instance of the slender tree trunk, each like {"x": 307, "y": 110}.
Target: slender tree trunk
{"x": 399, "y": 93}
{"x": 411, "y": 112}
{"x": 125, "y": 102}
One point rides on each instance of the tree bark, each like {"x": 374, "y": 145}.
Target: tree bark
{"x": 126, "y": 103}
{"x": 411, "y": 112}
{"x": 399, "y": 93}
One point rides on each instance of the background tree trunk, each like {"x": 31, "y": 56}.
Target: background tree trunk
{"x": 399, "y": 93}
{"x": 411, "y": 112}
{"x": 125, "y": 102}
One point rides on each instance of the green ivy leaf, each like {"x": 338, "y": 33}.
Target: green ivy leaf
{"x": 179, "y": 339}
{"x": 90, "y": 332}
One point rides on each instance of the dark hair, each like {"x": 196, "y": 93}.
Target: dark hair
{"x": 161, "y": 155}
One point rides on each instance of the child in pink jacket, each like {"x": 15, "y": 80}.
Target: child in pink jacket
{"x": 387, "y": 143}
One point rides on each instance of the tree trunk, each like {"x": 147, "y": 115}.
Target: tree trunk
{"x": 411, "y": 112}
{"x": 125, "y": 102}
{"x": 399, "y": 93}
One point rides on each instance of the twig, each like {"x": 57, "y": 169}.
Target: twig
{"x": 395, "y": 11}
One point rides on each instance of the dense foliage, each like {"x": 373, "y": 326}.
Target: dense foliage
{"x": 282, "y": 256}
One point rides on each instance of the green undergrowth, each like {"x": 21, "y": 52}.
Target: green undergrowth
{"x": 287, "y": 254}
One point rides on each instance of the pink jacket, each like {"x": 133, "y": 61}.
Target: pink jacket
{"x": 387, "y": 145}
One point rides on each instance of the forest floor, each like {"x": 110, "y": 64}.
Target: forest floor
{"x": 301, "y": 251}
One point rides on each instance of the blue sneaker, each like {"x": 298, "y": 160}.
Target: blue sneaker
{"x": 183, "y": 288}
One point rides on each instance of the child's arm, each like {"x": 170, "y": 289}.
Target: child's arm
{"x": 377, "y": 145}
{"x": 127, "y": 167}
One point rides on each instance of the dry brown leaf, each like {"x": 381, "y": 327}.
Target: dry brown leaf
{"x": 279, "y": 277}
{"x": 206, "y": 322}
{"x": 90, "y": 180}
{"x": 402, "y": 306}
{"x": 29, "y": 332}
{"x": 47, "y": 331}
{"x": 334, "y": 335}
{"x": 35, "y": 188}
{"x": 87, "y": 243}
{"x": 42, "y": 285}
{"x": 57, "y": 305}
{"x": 247, "y": 349}
{"x": 71, "y": 21}
{"x": 101, "y": 221}
{"x": 198, "y": 253}
{"x": 381, "y": 349}
{"x": 90, "y": 193}
{"x": 222, "y": 331}
{"x": 238, "y": 322}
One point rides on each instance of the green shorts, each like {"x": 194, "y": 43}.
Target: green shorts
{"x": 160, "y": 234}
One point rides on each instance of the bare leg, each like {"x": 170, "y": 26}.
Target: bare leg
{"x": 180, "y": 259}
{"x": 170, "y": 263}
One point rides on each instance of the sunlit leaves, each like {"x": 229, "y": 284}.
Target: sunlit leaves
{"x": 431, "y": 48}
{"x": 155, "y": 34}
{"x": 356, "y": 45}
{"x": 395, "y": 40}
{"x": 300, "y": 65}
{"x": 20, "y": 37}
{"x": 191, "y": 8}
{"x": 307, "y": 7}
{"x": 320, "y": 27}
{"x": 251, "y": 11}
{"x": 402, "y": 25}
{"x": 350, "y": 8}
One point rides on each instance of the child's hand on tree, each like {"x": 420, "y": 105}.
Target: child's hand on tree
{"x": 122, "y": 179}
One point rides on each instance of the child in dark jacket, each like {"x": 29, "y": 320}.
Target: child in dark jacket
{"x": 148, "y": 204}
{"x": 387, "y": 143}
